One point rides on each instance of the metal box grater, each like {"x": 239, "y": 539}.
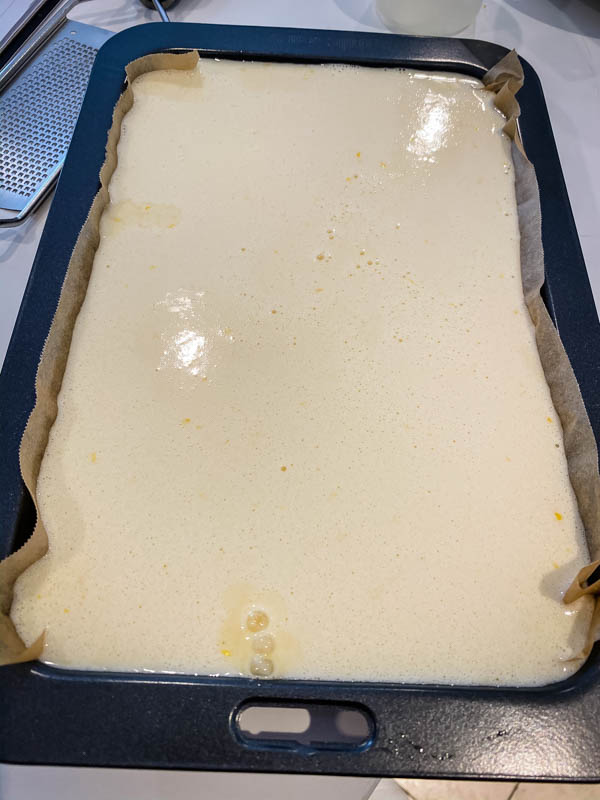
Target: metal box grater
{"x": 38, "y": 112}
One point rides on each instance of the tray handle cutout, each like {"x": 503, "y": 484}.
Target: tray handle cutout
{"x": 303, "y": 726}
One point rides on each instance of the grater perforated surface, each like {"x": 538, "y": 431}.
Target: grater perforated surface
{"x": 38, "y": 112}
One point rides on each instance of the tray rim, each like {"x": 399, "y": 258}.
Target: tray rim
{"x": 463, "y": 710}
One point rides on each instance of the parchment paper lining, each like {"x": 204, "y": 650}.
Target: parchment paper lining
{"x": 54, "y": 358}
{"x": 504, "y": 79}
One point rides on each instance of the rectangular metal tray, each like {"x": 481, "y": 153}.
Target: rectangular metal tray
{"x": 52, "y": 716}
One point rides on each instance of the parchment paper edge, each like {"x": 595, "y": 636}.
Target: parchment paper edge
{"x": 54, "y": 358}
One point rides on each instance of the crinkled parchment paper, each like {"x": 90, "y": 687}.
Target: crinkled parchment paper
{"x": 504, "y": 79}
{"x": 54, "y": 358}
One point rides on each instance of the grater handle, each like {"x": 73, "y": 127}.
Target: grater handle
{"x": 41, "y": 34}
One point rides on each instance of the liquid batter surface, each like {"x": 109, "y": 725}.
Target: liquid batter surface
{"x": 303, "y": 429}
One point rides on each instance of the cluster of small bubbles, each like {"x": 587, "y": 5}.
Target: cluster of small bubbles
{"x": 263, "y": 644}
{"x": 261, "y": 666}
{"x": 257, "y": 621}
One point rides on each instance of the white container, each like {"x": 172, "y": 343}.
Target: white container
{"x": 427, "y": 17}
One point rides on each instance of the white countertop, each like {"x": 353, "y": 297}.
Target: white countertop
{"x": 562, "y": 42}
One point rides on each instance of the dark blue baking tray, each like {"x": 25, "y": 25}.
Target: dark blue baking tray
{"x": 52, "y": 716}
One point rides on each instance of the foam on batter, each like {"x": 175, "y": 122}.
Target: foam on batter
{"x": 303, "y": 429}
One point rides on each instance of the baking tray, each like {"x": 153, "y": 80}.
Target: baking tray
{"x": 52, "y": 716}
